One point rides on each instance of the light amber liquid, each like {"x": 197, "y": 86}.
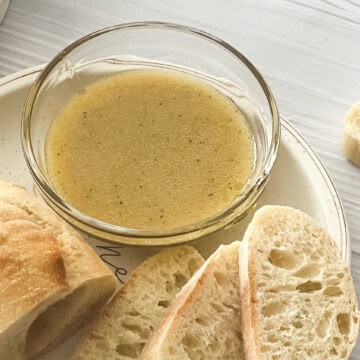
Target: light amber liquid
{"x": 150, "y": 149}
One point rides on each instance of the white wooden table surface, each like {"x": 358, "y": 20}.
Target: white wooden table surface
{"x": 309, "y": 52}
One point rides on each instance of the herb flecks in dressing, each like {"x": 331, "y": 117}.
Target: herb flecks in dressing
{"x": 150, "y": 149}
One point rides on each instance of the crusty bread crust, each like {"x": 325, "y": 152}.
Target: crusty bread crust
{"x": 191, "y": 290}
{"x": 77, "y": 254}
{"x": 248, "y": 298}
{"x": 32, "y": 275}
{"x": 31, "y": 268}
{"x": 350, "y": 142}
{"x": 83, "y": 268}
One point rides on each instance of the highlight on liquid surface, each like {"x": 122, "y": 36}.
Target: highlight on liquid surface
{"x": 150, "y": 149}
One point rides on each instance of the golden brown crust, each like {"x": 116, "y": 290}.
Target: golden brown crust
{"x": 248, "y": 301}
{"x": 190, "y": 291}
{"x": 252, "y": 294}
{"x": 46, "y": 260}
{"x": 31, "y": 269}
{"x": 78, "y": 256}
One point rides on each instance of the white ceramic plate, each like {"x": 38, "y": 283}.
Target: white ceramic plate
{"x": 299, "y": 180}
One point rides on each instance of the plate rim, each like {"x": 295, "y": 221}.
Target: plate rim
{"x": 344, "y": 230}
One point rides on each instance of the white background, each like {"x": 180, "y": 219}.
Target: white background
{"x": 308, "y": 51}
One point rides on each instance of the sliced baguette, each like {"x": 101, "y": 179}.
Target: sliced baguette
{"x": 204, "y": 320}
{"x": 88, "y": 283}
{"x": 129, "y": 320}
{"x": 350, "y": 142}
{"x": 298, "y": 298}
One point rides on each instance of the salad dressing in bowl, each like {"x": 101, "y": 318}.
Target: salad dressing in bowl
{"x": 150, "y": 149}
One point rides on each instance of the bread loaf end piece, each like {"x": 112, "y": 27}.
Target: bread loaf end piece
{"x": 90, "y": 284}
{"x": 32, "y": 278}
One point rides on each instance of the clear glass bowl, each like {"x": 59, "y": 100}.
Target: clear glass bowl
{"x": 160, "y": 45}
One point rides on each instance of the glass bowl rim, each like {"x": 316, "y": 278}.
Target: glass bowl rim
{"x": 59, "y": 203}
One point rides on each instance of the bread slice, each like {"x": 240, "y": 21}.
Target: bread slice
{"x": 298, "y": 298}
{"x": 36, "y": 323}
{"x": 129, "y": 320}
{"x": 204, "y": 320}
{"x": 350, "y": 142}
